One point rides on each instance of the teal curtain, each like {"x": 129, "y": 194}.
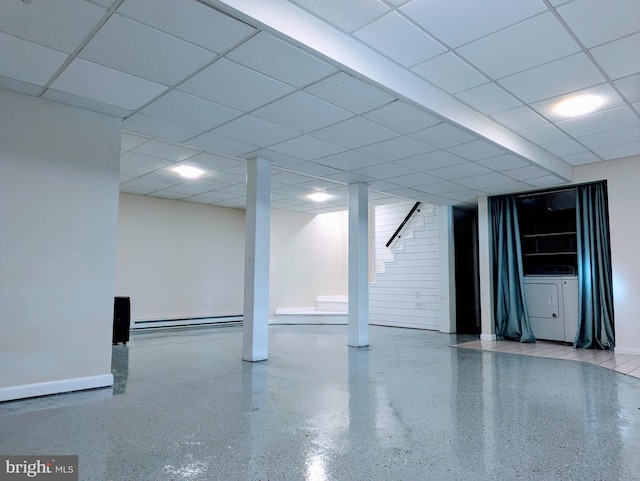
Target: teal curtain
{"x": 511, "y": 318}
{"x": 595, "y": 286}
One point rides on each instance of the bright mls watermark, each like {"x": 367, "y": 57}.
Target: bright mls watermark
{"x": 51, "y": 468}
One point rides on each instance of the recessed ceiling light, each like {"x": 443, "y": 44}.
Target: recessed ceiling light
{"x": 579, "y": 105}
{"x": 319, "y": 196}
{"x": 189, "y": 171}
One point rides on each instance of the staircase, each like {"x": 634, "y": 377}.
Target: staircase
{"x": 405, "y": 291}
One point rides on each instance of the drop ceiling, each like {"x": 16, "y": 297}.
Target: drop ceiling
{"x": 432, "y": 100}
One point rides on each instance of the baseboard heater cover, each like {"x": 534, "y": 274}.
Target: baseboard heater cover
{"x": 190, "y": 321}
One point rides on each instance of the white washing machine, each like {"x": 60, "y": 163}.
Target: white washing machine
{"x": 552, "y": 304}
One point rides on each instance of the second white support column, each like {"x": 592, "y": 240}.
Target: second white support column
{"x": 358, "y": 265}
{"x": 255, "y": 325}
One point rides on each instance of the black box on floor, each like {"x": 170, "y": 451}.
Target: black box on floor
{"x": 121, "y": 319}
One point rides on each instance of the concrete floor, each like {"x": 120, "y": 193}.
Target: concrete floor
{"x": 185, "y": 407}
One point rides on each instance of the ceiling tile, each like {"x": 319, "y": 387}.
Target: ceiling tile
{"x": 302, "y": 112}
{"x": 556, "y": 78}
{"x": 107, "y": 85}
{"x": 415, "y": 179}
{"x": 483, "y": 181}
{"x": 450, "y": 73}
{"x": 313, "y": 168}
{"x": 133, "y": 171}
{"x": 145, "y": 52}
{"x": 526, "y": 173}
{"x": 191, "y": 21}
{"x": 165, "y": 175}
{"x": 599, "y": 122}
{"x": 397, "y": 148}
{"x": 402, "y": 117}
{"x": 400, "y": 40}
{"x": 603, "y": 23}
{"x": 605, "y": 91}
{"x": 210, "y": 161}
{"x": 255, "y": 131}
{"x": 620, "y": 58}
{"x": 355, "y": 132}
{"x": 277, "y": 159}
{"x": 611, "y": 138}
{"x": 619, "y": 151}
{"x": 279, "y": 60}
{"x": 501, "y": 53}
{"x": 235, "y": 86}
{"x": 349, "y": 93}
{"x": 508, "y": 187}
{"x": 221, "y": 145}
{"x": 173, "y": 152}
{"x": 460, "y": 171}
{"x": 443, "y": 187}
{"x": 145, "y": 161}
{"x": 565, "y": 147}
{"x": 192, "y": 187}
{"x": 443, "y": 136}
{"x": 130, "y": 189}
{"x": 384, "y": 171}
{"x": 630, "y": 87}
{"x": 349, "y": 160}
{"x": 520, "y": 118}
{"x": 503, "y": 162}
{"x": 159, "y": 128}
{"x": 61, "y": 25}
{"x": 189, "y": 110}
{"x": 306, "y": 147}
{"x": 462, "y": 21}
{"x": 546, "y": 181}
{"x": 349, "y": 177}
{"x": 85, "y": 103}
{"x": 27, "y": 61}
{"x": 432, "y": 160}
{"x": 347, "y": 16}
{"x": 544, "y": 135}
{"x": 147, "y": 184}
{"x": 581, "y": 158}
{"x": 489, "y": 98}
{"x": 476, "y": 150}
{"x": 130, "y": 141}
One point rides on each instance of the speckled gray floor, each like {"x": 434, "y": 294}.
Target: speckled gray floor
{"x": 185, "y": 407}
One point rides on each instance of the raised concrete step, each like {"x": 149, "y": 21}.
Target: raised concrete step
{"x": 328, "y": 310}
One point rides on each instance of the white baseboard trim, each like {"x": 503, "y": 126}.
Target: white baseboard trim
{"x": 55, "y": 387}
{"x": 487, "y": 337}
{"x": 627, "y": 350}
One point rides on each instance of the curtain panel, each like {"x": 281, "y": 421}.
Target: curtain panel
{"x": 595, "y": 284}
{"x": 510, "y": 310}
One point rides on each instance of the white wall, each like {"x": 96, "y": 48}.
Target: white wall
{"x": 181, "y": 260}
{"x": 308, "y": 257}
{"x": 59, "y": 170}
{"x": 622, "y": 178}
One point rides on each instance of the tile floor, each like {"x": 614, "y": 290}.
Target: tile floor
{"x": 623, "y": 363}
{"x": 409, "y": 407}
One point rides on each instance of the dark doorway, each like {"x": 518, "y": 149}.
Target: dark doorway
{"x": 465, "y": 233}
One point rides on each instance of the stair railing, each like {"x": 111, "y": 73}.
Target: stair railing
{"x": 397, "y": 232}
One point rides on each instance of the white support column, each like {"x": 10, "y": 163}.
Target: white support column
{"x": 487, "y": 324}
{"x": 255, "y": 334}
{"x": 446, "y": 269}
{"x": 358, "y": 265}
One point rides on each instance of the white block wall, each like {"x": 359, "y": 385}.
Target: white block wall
{"x": 405, "y": 291}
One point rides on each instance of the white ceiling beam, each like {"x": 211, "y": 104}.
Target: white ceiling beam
{"x": 300, "y": 27}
